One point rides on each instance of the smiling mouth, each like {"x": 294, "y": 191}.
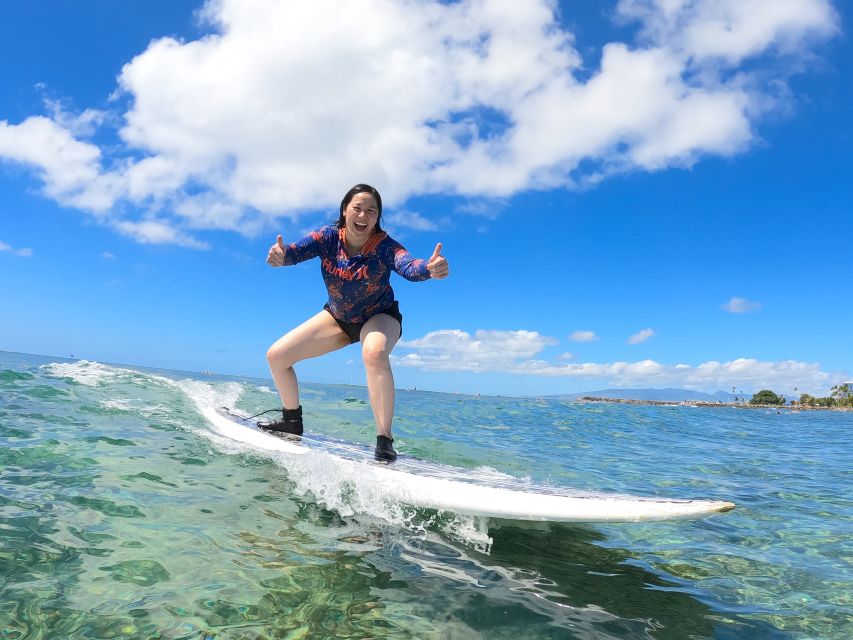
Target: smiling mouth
{"x": 360, "y": 226}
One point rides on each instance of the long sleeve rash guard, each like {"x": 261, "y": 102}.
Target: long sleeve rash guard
{"x": 359, "y": 286}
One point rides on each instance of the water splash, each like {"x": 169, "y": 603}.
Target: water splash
{"x": 345, "y": 486}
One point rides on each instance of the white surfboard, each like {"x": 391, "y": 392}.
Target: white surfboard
{"x": 431, "y": 485}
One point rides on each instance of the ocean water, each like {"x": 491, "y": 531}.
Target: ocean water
{"x": 124, "y": 514}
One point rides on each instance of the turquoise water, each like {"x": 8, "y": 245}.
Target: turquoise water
{"x": 123, "y": 514}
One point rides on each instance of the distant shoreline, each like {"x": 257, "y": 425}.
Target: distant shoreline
{"x": 702, "y": 403}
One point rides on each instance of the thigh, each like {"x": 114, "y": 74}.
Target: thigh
{"x": 380, "y": 333}
{"x": 314, "y": 337}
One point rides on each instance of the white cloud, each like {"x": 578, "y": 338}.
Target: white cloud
{"x": 207, "y": 211}
{"x": 26, "y": 252}
{"x": 514, "y": 352}
{"x": 106, "y": 255}
{"x": 731, "y": 30}
{"x": 741, "y": 305}
{"x": 455, "y": 350}
{"x": 71, "y": 170}
{"x": 158, "y": 232}
{"x": 408, "y": 220}
{"x": 641, "y": 336}
{"x": 583, "y": 336}
{"x": 287, "y": 104}
{"x": 78, "y": 125}
{"x": 489, "y": 208}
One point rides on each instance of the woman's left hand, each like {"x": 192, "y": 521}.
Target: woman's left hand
{"x": 437, "y": 265}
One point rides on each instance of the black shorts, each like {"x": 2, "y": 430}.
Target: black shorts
{"x": 353, "y": 329}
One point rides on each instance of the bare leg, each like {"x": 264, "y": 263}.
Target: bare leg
{"x": 314, "y": 337}
{"x": 378, "y": 337}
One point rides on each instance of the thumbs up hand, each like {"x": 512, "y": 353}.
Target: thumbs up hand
{"x": 437, "y": 265}
{"x": 275, "y": 258}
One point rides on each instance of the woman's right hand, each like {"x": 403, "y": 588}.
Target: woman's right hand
{"x": 275, "y": 258}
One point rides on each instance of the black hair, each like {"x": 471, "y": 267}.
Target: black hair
{"x": 360, "y": 188}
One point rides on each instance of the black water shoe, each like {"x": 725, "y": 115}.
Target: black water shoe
{"x": 291, "y": 422}
{"x": 385, "y": 449}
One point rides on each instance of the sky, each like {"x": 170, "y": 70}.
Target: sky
{"x": 630, "y": 193}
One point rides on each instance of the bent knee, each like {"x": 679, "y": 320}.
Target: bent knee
{"x": 273, "y": 355}
{"x": 280, "y": 354}
{"x": 375, "y": 356}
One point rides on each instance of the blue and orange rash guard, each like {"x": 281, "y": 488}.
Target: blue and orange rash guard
{"x": 359, "y": 286}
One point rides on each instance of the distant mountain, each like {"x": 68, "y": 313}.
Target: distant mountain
{"x": 664, "y": 395}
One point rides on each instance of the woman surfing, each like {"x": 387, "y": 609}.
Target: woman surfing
{"x": 356, "y": 260}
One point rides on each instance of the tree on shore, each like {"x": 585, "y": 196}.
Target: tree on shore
{"x": 840, "y": 396}
{"x": 766, "y": 396}
{"x": 807, "y": 400}
{"x": 841, "y": 391}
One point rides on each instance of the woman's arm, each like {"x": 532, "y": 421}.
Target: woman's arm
{"x": 310, "y": 246}
{"x": 416, "y": 269}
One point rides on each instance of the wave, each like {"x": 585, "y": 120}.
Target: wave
{"x": 344, "y": 486}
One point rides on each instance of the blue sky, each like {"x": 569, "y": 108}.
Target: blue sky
{"x": 636, "y": 194}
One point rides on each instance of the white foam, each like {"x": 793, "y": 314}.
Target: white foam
{"x": 96, "y": 374}
{"x": 208, "y": 395}
{"x": 119, "y": 405}
{"x": 91, "y": 374}
{"x": 351, "y": 488}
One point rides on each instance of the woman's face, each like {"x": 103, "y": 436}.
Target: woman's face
{"x": 361, "y": 215}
